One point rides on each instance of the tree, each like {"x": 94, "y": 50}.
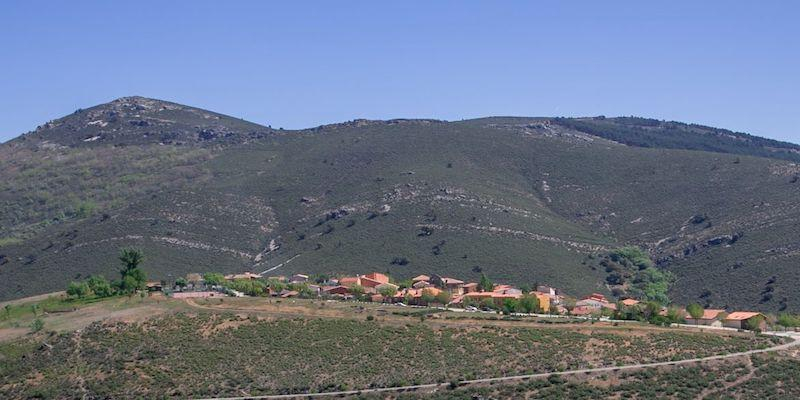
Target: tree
{"x": 405, "y": 284}
{"x": 695, "y": 310}
{"x": 213, "y": 278}
{"x": 485, "y": 285}
{"x": 510, "y": 306}
{"x": 488, "y": 304}
{"x": 131, "y": 259}
{"x": 787, "y": 320}
{"x": 357, "y": 291}
{"x": 652, "y": 284}
{"x": 100, "y": 286}
{"x": 78, "y": 289}
{"x": 387, "y": 291}
{"x": 443, "y": 298}
{"x": 180, "y": 282}
{"x": 754, "y": 323}
{"x": 528, "y": 304}
{"x": 133, "y": 278}
{"x": 427, "y": 296}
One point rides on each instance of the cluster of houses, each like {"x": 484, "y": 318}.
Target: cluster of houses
{"x": 446, "y": 290}
{"x": 596, "y": 303}
{"x": 427, "y": 289}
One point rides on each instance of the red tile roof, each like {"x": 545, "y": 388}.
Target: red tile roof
{"x": 630, "y": 302}
{"x": 741, "y": 315}
{"x": 708, "y": 314}
{"x": 377, "y": 276}
{"x": 350, "y": 281}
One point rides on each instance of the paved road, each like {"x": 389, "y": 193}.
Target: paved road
{"x": 795, "y": 341}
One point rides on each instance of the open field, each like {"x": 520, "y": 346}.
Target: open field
{"x": 155, "y": 347}
{"x": 761, "y": 376}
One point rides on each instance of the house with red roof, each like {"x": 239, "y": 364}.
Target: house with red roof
{"x": 452, "y": 285}
{"x": 630, "y": 302}
{"x": 377, "y": 276}
{"x": 421, "y": 278}
{"x": 745, "y": 320}
{"x": 710, "y": 317}
{"x": 349, "y": 281}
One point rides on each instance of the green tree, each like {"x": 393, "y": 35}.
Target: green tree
{"x": 180, "y": 282}
{"x": 754, "y": 323}
{"x": 427, "y": 296}
{"x": 485, "y": 284}
{"x": 78, "y": 289}
{"x": 787, "y": 320}
{"x": 213, "y": 278}
{"x": 488, "y": 304}
{"x": 528, "y": 304}
{"x": 100, "y": 286}
{"x": 131, "y": 259}
{"x": 510, "y": 306}
{"x": 133, "y": 277}
{"x": 633, "y": 255}
{"x": 357, "y": 291}
{"x": 387, "y": 291}
{"x": 443, "y": 297}
{"x": 652, "y": 284}
{"x": 695, "y": 310}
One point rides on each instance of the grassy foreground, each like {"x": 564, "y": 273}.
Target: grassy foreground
{"x": 208, "y": 353}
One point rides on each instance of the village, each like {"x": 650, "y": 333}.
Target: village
{"x": 456, "y": 295}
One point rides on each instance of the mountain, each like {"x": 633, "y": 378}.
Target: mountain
{"x": 520, "y": 199}
{"x": 138, "y": 120}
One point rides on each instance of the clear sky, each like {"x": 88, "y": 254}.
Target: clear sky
{"x": 731, "y": 64}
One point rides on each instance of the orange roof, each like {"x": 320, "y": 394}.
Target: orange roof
{"x": 494, "y": 295}
{"x": 350, "y": 280}
{"x": 630, "y": 302}
{"x": 452, "y": 281}
{"x": 369, "y": 282}
{"x": 377, "y": 276}
{"x": 421, "y": 278}
{"x": 595, "y": 296}
{"x": 741, "y": 315}
{"x": 709, "y": 314}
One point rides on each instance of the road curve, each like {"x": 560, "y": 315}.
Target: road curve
{"x": 795, "y": 341}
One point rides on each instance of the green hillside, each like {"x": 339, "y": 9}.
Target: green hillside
{"x": 523, "y": 200}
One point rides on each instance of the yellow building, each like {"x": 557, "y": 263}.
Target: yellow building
{"x": 544, "y": 301}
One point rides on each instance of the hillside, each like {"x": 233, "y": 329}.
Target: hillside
{"x": 520, "y": 199}
{"x": 153, "y": 346}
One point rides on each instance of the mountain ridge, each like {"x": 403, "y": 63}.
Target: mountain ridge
{"x": 521, "y": 199}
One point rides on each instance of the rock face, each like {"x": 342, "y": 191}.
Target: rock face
{"x": 139, "y": 120}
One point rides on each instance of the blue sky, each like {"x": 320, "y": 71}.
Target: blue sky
{"x": 729, "y": 64}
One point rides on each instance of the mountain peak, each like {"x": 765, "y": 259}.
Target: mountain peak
{"x": 141, "y": 120}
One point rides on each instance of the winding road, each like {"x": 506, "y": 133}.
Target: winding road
{"x": 794, "y": 336}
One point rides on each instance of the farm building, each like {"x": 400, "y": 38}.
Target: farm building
{"x": 710, "y": 317}
{"x": 745, "y": 320}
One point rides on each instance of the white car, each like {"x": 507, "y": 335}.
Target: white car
{"x": 472, "y": 309}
